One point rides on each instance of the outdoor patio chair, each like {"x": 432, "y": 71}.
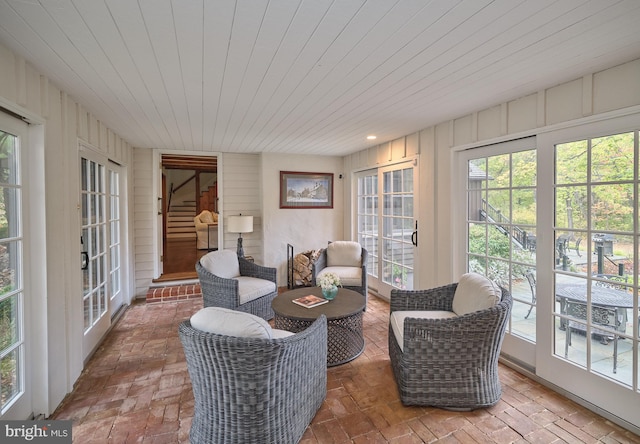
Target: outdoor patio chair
{"x": 251, "y": 383}
{"x": 444, "y": 343}
{"x": 348, "y": 260}
{"x": 531, "y": 278}
{"x": 234, "y": 282}
{"x": 577, "y": 246}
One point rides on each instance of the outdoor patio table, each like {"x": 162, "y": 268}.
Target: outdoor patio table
{"x": 603, "y": 297}
{"x": 345, "y": 340}
{"x": 608, "y": 308}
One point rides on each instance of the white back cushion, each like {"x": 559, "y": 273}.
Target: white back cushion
{"x": 475, "y": 292}
{"x": 223, "y": 321}
{"x": 279, "y": 334}
{"x": 222, "y": 263}
{"x": 344, "y": 254}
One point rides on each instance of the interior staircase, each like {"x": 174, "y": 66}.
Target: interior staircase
{"x": 180, "y": 220}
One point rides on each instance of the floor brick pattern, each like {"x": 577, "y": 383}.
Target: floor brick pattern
{"x": 136, "y": 389}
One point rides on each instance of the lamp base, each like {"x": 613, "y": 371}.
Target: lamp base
{"x": 240, "y": 250}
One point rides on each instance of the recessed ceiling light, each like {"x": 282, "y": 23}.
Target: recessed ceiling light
{"x": 371, "y": 137}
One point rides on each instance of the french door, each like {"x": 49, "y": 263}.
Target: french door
{"x": 556, "y": 220}
{"x": 367, "y": 202}
{"x": 15, "y": 308}
{"x": 115, "y": 241}
{"x": 101, "y": 246}
{"x": 593, "y": 287}
{"x": 388, "y": 231}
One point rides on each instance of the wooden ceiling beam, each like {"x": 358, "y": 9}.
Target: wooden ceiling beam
{"x": 190, "y": 162}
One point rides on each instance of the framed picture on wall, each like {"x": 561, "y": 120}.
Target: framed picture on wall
{"x": 306, "y": 190}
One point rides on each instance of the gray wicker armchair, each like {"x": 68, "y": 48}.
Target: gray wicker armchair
{"x": 448, "y": 362}
{"x": 255, "y": 390}
{"x": 232, "y": 282}
{"x": 348, "y": 260}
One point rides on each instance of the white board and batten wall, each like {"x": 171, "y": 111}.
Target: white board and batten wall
{"x": 241, "y": 194}
{"x": 600, "y": 95}
{"x": 57, "y": 127}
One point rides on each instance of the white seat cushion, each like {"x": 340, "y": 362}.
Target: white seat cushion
{"x": 222, "y": 263}
{"x": 344, "y": 254}
{"x": 279, "y": 334}
{"x": 223, "y": 321}
{"x": 475, "y": 292}
{"x": 397, "y": 321}
{"x": 349, "y": 276}
{"x": 250, "y": 288}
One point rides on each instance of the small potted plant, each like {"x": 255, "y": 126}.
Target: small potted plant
{"x": 329, "y": 282}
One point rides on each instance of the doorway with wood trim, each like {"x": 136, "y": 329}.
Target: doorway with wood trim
{"x": 189, "y": 186}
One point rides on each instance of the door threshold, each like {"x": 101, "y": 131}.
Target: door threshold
{"x": 169, "y": 277}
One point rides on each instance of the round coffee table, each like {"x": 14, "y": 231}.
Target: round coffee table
{"x": 345, "y": 341}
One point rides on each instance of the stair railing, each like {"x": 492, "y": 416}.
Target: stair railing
{"x": 495, "y": 215}
{"x": 175, "y": 190}
{"x": 184, "y": 183}
{"x": 170, "y": 194}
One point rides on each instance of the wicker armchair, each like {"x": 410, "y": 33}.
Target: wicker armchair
{"x": 233, "y": 282}
{"x": 254, "y": 390}
{"x": 346, "y": 259}
{"x": 448, "y": 362}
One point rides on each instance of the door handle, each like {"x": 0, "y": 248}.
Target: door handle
{"x": 84, "y": 260}
{"x": 414, "y": 236}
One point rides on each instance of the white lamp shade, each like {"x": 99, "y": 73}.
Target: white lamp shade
{"x": 240, "y": 224}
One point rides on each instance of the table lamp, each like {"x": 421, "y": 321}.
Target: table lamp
{"x": 240, "y": 224}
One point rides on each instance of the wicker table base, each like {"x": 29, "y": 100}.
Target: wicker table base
{"x": 345, "y": 341}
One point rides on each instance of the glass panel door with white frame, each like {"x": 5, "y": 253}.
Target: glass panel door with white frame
{"x": 391, "y": 249}
{"x": 596, "y": 255}
{"x": 115, "y": 243}
{"x": 501, "y": 229}
{"x": 102, "y": 286}
{"x": 15, "y": 360}
{"x": 367, "y": 221}
{"x": 94, "y": 231}
{"x": 397, "y": 227}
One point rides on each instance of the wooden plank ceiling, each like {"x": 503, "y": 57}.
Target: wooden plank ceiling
{"x": 308, "y": 76}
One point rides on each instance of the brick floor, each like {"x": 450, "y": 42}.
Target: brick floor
{"x": 136, "y": 389}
